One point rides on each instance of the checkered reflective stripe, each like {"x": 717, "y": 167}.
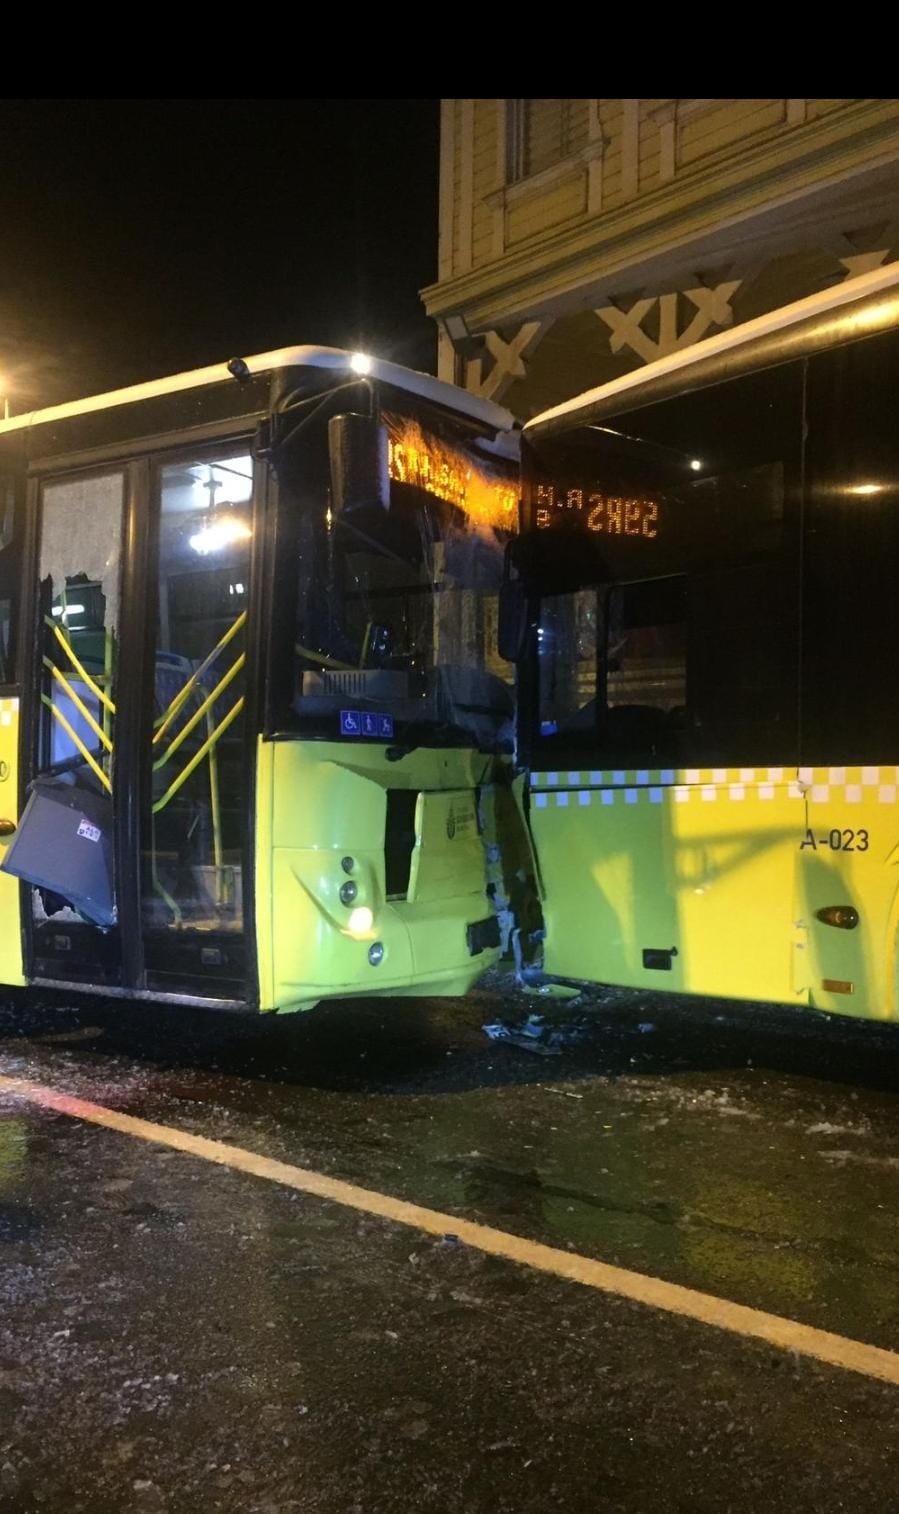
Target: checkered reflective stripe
{"x": 852, "y": 785}
{"x": 8, "y": 708}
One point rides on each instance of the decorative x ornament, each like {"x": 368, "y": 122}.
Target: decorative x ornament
{"x": 508, "y": 360}
{"x": 712, "y": 307}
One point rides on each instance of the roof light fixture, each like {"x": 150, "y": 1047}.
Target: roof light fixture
{"x": 218, "y": 533}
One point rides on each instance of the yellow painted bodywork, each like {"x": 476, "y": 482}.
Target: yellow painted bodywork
{"x": 728, "y": 868}
{"x": 10, "y": 922}
{"x": 318, "y": 802}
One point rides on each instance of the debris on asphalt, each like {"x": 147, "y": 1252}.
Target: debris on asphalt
{"x": 549, "y": 990}
{"x": 521, "y": 1037}
{"x": 536, "y": 1034}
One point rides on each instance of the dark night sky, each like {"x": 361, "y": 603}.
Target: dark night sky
{"x": 143, "y": 237}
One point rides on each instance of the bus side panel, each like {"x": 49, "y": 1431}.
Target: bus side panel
{"x": 11, "y": 967}
{"x": 322, "y": 805}
{"x": 849, "y": 858}
{"x": 687, "y": 887}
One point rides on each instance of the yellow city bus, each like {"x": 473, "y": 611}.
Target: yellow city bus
{"x": 704, "y": 601}
{"x": 251, "y": 703}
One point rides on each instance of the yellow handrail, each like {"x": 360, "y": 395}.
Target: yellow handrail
{"x": 162, "y": 891}
{"x": 73, "y": 736}
{"x": 79, "y": 704}
{"x": 82, "y": 672}
{"x": 184, "y": 693}
{"x": 198, "y": 756}
{"x": 197, "y": 716}
{"x": 326, "y": 662}
{"x": 215, "y": 812}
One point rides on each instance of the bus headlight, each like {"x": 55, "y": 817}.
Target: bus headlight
{"x": 361, "y": 921}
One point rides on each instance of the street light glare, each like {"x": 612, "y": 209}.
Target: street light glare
{"x": 360, "y": 362}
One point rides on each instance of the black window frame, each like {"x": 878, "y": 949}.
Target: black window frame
{"x": 12, "y": 557}
{"x": 850, "y": 714}
{"x": 703, "y": 750}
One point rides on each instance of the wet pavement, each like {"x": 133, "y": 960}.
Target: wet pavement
{"x": 178, "y": 1336}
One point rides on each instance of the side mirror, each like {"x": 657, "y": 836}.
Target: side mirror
{"x": 360, "y": 480}
{"x": 513, "y": 619}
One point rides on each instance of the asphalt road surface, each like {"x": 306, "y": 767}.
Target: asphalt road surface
{"x": 181, "y": 1335}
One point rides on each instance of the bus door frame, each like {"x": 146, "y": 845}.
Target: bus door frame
{"x": 140, "y": 461}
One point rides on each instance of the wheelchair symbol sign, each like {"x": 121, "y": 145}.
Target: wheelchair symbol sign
{"x": 366, "y": 723}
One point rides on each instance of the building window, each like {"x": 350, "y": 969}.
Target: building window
{"x": 545, "y": 133}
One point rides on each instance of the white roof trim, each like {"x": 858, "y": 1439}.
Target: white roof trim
{"x": 876, "y": 282}
{"x": 422, "y": 384}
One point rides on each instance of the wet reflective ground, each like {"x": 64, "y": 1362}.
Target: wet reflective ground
{"x": 176, "y": 1336}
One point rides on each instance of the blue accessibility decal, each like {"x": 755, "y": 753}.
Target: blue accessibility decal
{"x": 366, "y": 723}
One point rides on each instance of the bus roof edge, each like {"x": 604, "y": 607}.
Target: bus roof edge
{"x": 422, "y": 384}
{"x": 859, "y": 307}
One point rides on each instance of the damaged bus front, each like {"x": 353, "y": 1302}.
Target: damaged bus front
{"x": 250, "y": 691}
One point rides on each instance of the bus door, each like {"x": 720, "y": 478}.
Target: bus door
{"x": 67, "y": 850}
{"x": 194, "y": 825}
{"x": 138, "y": 785}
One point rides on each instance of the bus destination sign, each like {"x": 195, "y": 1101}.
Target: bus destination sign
{"x": 609, "y": 514}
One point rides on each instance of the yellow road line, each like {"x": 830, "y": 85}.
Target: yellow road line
{"x": 785, "y": 1334}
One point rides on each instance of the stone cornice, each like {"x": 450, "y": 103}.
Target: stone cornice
{"x": 782, "y": 169}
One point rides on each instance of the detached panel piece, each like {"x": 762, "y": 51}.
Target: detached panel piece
{"x": 64, "y": 843}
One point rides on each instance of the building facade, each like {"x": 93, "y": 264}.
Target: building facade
{"x": 581, "y": 238}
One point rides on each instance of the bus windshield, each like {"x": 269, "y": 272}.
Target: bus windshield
{"x": 395, "y": 630}
{"x": 659, "y": 551}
